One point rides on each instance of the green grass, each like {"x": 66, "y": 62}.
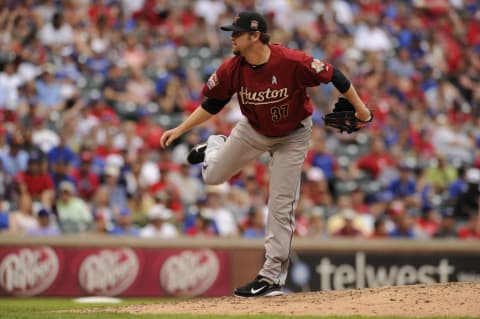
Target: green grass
{"x": 45, "y": 308}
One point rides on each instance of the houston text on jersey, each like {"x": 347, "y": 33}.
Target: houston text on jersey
{"x": 267, "y": 96}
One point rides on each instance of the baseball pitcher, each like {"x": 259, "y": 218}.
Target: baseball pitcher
{"x": 270, "y": 81}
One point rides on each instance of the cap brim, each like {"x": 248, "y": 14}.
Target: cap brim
{"x": 231, "y": 27}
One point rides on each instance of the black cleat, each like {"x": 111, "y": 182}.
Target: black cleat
{"x": 259, "y": 287}
{"x": 197, "y": 154}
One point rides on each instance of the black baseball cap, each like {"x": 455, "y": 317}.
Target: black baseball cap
{"x": 247, "y": 21}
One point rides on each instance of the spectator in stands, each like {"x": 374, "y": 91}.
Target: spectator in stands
{"x": 404, "y": 186}
{"x": 467, "y": 203}
{"x": 348, "y": 227}
{"x": 159, "y": 225}
{"x": 315, "y": 187}
{"x": 369, "y": 37}
{"x": 254, "y": 226}
{"x": 62, "y": 152}
{"x": 145, "y": 171}
{"x": 377, "y": 160}
{"x": 35, "y": 183}
{"x": 10, "y": 82}
{"x": 319, "y": 156}
{"x": 140, "y": 87}
{"x": 191, "y": 187}
{"x": 101, "y": 206}
{"x": 238, "y": 202}
{"x": 451, "y": 141}
{"x": 115, "y": 86}
{"x": 316, "y": 225}
{"x": 5, "y": 216}
{"x": 97, "y": 63}
{"x": 46, "y": 225}
{"x": 116, "y": 192}
{"x": 214, "y": 209}
{"x": 57, "y": 32}
{"x": 102, "y": 110}
{"x": 73, "y": 213}
{"x": 23, "y": 218}
{"x": 458, "y": 186}
{"x": 302, "y": 218}
{"x": 358, "y": 198}
{"x": 42, "y": 136}
{"x": 472, "y": 229}
{"x": 428, "y": 222}
{"x": 86, "y": 180}
{"x": 128, "y": 142}
{"x": 401, "y": 64}
{"x": 7, "y": 185}
{"x": 165, "y": 192}
{"x": 380, "y": 230}
{"x": 140, "y": 203}
{"x": 447, "y": 225}
{"x": 60, "y": 171}
{"x": 49, "y": 92}
{"x": 13, "y": 158}
{"x": 404, "y": 224}
{"x": 441, "y": 174}
{"x": 403, "y": 227}
{"x": 124, "y": 225}
{"x": 203, "y": 227}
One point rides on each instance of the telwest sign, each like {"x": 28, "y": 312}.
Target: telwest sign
{"x": 316, "y": 271}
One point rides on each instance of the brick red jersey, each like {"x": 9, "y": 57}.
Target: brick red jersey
{"x": 273, "y": 97}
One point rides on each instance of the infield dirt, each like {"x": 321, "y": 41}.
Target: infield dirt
{"x": 450, "y": 299}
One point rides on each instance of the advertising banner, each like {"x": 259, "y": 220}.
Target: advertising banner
{"x": 313, "y": 271}
{"x": 116, "y": 271}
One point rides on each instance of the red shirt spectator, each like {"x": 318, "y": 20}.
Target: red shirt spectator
{"x": 377, "y": 160}
{"x": 149, "y": 132}
{"x": 428, "y": 226}
{"x": 33, "y": 180}
{"x": 87, "y": 182}
{"x": 471, "y": 230}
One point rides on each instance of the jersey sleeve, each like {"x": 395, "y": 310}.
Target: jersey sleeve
{"x": 219, "y": 84}
{"x": 313, "y": 72}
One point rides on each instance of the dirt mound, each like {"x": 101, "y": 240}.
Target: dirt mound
{"x": 450, "y": 299}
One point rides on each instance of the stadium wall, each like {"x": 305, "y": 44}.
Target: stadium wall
{"x": 131, "y": 267}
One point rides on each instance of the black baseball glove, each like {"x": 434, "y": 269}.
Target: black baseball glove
{"x": 343, "y": 117}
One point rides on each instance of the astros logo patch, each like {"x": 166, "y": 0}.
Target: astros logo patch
{"x": 317, "y": 65}
{"x": 212, "y": 81}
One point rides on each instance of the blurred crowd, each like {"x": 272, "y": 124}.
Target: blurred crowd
{"x": 88, "y": 86}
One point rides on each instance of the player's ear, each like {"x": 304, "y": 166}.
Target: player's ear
{"x": 255, "y": 35}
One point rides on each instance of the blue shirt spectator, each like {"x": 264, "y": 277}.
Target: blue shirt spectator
{"x": 403, "y": 186}
{"x": 14, "y": 159}
{"x": 62, "y": 153}
{"x": 49, "y": 90}
{"x": 4, "y": 221}
{"x": 458, "y": 186}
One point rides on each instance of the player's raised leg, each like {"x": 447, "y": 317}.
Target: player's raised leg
{"x": 224, "y": 157}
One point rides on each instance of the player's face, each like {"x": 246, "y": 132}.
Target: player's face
{"x": 241, "y": 41}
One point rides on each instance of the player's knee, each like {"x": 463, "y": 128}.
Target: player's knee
{"x": 213, "y": 178}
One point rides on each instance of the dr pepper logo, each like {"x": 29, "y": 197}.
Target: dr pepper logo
{"x": 189, "y": 273}
{"x": 108, "y": 272}
{"x": 28, "y": 271}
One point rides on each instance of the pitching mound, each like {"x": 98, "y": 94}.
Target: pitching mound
{"x": 451, "y": 299}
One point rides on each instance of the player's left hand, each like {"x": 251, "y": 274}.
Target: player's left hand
{"x": 345, "y": 118}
